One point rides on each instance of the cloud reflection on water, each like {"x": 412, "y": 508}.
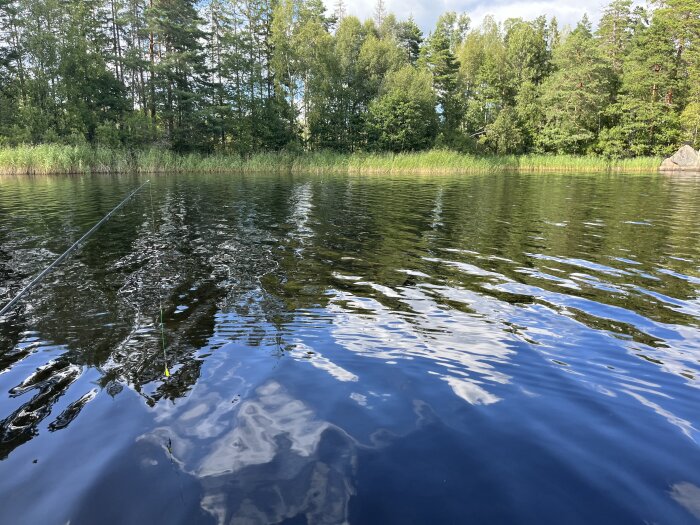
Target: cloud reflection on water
{"x": 459, "y": 347}
{"x": 261, "y": 461}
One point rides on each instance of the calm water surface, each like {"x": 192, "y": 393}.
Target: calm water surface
{"x": 485, "y": 349}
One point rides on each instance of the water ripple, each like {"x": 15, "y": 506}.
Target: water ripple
{"x": 353, "y": 350}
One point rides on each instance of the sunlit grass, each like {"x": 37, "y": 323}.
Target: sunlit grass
{"x": 451, "y": 162}
{"x": 54, "y": 159}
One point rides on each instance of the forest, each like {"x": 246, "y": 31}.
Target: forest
{"x": 242, "y": 77}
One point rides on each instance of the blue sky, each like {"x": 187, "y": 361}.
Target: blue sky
{"x": 426, "y": 12}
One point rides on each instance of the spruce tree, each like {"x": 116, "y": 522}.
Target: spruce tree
{"x": 439, "y": 58}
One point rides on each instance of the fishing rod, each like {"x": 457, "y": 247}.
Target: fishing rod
{"x": 65, "y": 254}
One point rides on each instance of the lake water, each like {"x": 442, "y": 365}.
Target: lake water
{"x": 492, "y": 349}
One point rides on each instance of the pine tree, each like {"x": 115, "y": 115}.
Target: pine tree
{"x": 682, "y": 17}
{"x": 646, "y": 115}
{"x": 12, "y": 91}
{"x": 180, "y": 71}
{"x": 410, "y": 39}
{"x": 575, "y": 95}
{"x": 615, "y": 32}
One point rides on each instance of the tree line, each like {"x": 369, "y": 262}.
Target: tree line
{"x": 244, "y": 76}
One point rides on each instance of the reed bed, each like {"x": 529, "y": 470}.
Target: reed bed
{"x": 55, "y": 159}
{"x": 451, "y": 162}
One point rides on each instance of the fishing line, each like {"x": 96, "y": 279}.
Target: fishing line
{"x": 160, "y": 287}
{"x": 65, "y": 254}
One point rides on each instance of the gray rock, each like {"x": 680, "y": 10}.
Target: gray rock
{"x": 685, "y": 159}
{"x": 669, "y": 165}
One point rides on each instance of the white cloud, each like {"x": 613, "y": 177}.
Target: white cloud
{"x": 426, "y": 12}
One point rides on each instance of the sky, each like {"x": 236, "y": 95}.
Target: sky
{"x": 426, "y": 12}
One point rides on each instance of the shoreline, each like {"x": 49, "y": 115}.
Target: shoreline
{"x": 83, "y": 160}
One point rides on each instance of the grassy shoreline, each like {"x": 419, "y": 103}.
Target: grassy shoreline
{"x": 51, "y": 159}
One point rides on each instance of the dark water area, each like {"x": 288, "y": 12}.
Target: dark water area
{"x": 365, "y": 350}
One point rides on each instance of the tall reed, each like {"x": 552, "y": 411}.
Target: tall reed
{"x": 48, "y": 159}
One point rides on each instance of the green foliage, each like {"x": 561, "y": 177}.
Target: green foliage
{"x": 644, "y": 128}
{"x": 505, "y": 135}
{"x": 180, "y": 71}
{"x": 403, "y": 117}
{"x": 527, "y": 55}
{"x": 616, "y": 31}
{"x": 575, "y": 95}
{"x": 530, "y": 113}
{"x": 501, "y": 68}
{"x": 690, "y": 122}
{"x": 246, "y": 77}
{"x": 645, "y": 118}
{"x": 410, "y": 39}
{"x": 438, "y": 57}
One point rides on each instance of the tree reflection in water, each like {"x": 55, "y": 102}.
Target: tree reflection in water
{"x": 306, "y": 316}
